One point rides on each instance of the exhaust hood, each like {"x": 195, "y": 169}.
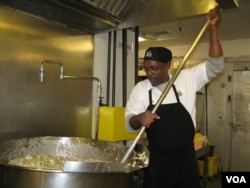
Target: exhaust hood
{"x": 90, "y": 16}
{"x": 96, "y": 16}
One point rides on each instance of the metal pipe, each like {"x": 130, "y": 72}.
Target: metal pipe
{"x": 99, "y": 95}
{"x": 99, "y": 87}
{"x": 62, "y": 76}
{"x": 206, "y": 111}
{"x": 41, "y": 73}
{"x": 136, "y": 49}
{"x": 167, "y": 88}
{"x": 124, "y": 66}
{"x": 108, "y": 69}
{"x": 114, "y": 69}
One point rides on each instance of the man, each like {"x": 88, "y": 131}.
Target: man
{"x": 171, "y": 129}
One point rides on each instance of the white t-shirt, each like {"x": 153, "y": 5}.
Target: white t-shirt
{"x": 188, "y": 82}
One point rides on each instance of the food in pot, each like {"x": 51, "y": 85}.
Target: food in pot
{"x": 43, "y": 161}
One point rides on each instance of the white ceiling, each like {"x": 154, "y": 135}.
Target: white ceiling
{"x": 235, "y": 24}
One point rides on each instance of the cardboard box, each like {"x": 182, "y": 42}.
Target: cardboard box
{"x": 112, "y": 125}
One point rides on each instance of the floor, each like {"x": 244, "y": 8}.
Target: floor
{"x": 214, "y": 182}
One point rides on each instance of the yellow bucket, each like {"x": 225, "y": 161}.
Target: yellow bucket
{"x": 112, "y": 125}
{"x": 213, "y": 163}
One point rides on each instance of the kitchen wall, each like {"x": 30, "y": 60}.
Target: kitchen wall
{"x": 52, "y": 108}
{"x": 116, "y": 79}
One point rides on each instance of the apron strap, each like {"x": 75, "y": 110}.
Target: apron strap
{"x": 175, "y": 92}
{"x": 150, "y": 97}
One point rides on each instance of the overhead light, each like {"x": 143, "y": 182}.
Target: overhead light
{"x": 140, "y": 39}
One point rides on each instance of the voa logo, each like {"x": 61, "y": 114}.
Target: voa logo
{"x": 236, "y": 179}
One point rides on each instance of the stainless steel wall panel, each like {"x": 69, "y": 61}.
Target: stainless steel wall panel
{"x": 55, "y": 107}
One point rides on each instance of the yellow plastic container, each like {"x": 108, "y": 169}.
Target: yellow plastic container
{"x": 200, "y": 139}
{"x": 112, "y": 125}
{"x": 212, "y": 170}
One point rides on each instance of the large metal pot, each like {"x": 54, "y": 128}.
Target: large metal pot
{"x": 110, "y": 172}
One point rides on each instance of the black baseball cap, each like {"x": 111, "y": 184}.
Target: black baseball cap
{"x": 161, "y": 54}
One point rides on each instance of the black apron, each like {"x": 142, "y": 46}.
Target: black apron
{"x": 173, "y": 162}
